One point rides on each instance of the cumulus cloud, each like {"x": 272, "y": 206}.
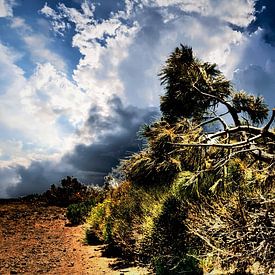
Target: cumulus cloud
{"x": 41, "y": 113}
{"x": 57, "y": 23}
{"x": 116, "y": 139}
{"x": 236, "y": 12}
{"x": 6, "y": 8}
{"x": 129, "y": 47}
{"x": 82, "y": 124}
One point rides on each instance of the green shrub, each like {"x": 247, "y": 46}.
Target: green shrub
{"x": 115, "y": 221}
{"x": 78, "y": 212}
{"x": 168, "y": 246}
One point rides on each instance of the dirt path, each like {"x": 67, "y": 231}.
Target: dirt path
{"x": 34, "y": 239}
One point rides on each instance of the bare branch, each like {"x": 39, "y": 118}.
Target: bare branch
{"x": 225, "y": 126}
{"x": 221, "y": 145}
{"x": 230, "y": 108}
{"x": 208, "y": 242}
{"x": 247, "y": 129}
{"x": 266, "y": 127}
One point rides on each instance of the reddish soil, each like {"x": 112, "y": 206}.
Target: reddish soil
{"x": 35, "y": 238}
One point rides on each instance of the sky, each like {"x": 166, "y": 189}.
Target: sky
{"x": 79, "y": 78}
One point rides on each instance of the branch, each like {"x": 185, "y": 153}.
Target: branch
{"x": 230, "y": 108}
{"x": 224, "y": 161}
{"x": 208, "y": 242}
{"x": 225, "y": 126}
{"x": 247, "y": 129}
{"x": 266, "y": 127}
{"x": 232, "y": 145}
{"x": 263, "y": 156}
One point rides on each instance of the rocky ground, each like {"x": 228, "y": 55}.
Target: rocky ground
{"x": 36, "y": 238}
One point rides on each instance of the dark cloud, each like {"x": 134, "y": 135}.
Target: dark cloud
{"x": 265, "y": 19}
{"x": 36, "y": 178}
{"x": 116, "y": 139}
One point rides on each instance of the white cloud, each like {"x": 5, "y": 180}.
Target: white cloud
{"x": 124, "y": 59}
{"x": 40, "y": 50}
{"x": 38, "y": 111}
{"x": 57, "y": 23}
{"x": 39, "y": 46}
{"x": 49, "y": 12}
{"x": 6, "y": 8}
{"x": 237, "y": 12}
{"x": 19, "y": 23}
{"x": 127, "y": 66}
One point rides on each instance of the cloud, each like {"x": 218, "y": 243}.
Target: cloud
{"x": 255, "y": 70}
{"x": 41, "y": 52}
{"x": 43, "y": 112}
{"x": 57, "y": 23}
{"x": 37, "y": 46}
{"x": 6, "y": 8}
{"x": 129, "y": 47}
{"x": 235, "y": 12}
{"x": 9, "y": 179}
{"x": 35, "y": 178}
{"x": 19, "y": 23}
{"x": 83, "y": 123}
{"x": 12, "y": 76}
{"x": 116, "y": 139}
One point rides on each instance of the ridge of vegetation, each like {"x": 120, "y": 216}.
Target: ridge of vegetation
{"x": 195, "y": 200}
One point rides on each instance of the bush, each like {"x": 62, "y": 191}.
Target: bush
{"x": 169, "y": 245}
{"x": 115, "y": 221}
{"x": 78, "y": 212}
{"x": 70, "y": 191}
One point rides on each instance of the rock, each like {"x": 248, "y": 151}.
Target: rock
{"x": 71, "y": 264}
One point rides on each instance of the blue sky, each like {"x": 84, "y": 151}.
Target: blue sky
{"x": 78, "y": 78}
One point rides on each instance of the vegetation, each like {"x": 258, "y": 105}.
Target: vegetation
{"x": 194, "y": 200}
{"x": 78, "y": 212}
{"x": 71, "y": 192}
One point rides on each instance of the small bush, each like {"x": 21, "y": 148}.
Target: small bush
{"x": 115, "y": 220}
{"x": 168, "y": 246}
{"x": 78, "y": 212}
{"x": 70, "y": 191}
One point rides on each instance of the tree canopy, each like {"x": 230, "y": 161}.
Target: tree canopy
{"x": 194, "y": 89}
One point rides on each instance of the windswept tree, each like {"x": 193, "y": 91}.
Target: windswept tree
{"x": 221, "y": 183}
{"x": 194, "y": 199}
{"x": 195, "y": 89}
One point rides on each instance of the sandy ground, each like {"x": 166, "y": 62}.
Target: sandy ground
{"x": 35, "y": 239}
